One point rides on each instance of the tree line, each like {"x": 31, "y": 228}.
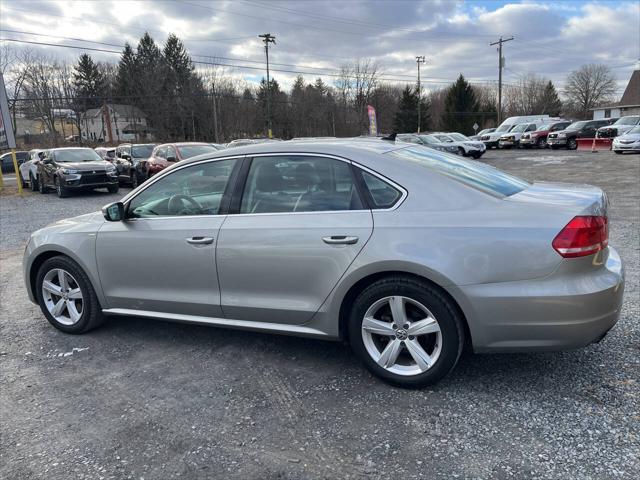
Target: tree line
{"x": 182, "y": 102}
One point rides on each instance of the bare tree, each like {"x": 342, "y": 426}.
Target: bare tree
{"x": 590, "y": 86}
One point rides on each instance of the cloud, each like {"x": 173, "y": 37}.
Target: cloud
{"x": 551, "y": 38}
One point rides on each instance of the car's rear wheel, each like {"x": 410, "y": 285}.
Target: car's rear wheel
{"x": 572, "y": 144}
{"x": 407, "y": 332}
{"x": 66, "y": 296}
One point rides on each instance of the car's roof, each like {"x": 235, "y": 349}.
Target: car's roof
{"x": 351, "y": 148}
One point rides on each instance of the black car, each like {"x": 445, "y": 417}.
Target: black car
{"x": 583, "y": 129}
{"x": 7, "y": 160}
{"x": 69, "y": 169}
{"x": 133, "y": 154}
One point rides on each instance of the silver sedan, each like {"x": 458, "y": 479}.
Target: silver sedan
{"x": 408, "y": 253}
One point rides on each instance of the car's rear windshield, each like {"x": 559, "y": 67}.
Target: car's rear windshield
{"x": 77, "y": 155}
{"x": 474, "y": 174}
{"x": 142, "y": 151}
{"x": 188, "y": 151}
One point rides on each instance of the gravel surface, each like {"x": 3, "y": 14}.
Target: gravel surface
{"x": 146, "y": 399}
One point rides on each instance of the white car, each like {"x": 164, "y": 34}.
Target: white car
{"x": 629, "y": 142}
{"x": 465, "y": 146}
{"x": 29, "y": 169}
{"x": 512, "y": 138}
{"x": 491, "y": 139}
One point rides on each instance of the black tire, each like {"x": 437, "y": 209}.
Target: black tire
{"x": 134, "y": 180}
{"x": 461, "y": 152}
{"x": 33, "y": 183}
{"x": 541, "y": 143}
{"x": 619, "y": 152}
{"x": 61, "y": 191}
{"x": 554, "y": 147}
{"x": 436, "y": 302}
{"x": 113, "y": 188}
{"x": 41, "y": 186}
{"x": 572, "y": 144}
{"x": 91, "y": 316}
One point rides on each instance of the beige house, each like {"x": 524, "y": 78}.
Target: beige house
{"x": 113, "y": 123}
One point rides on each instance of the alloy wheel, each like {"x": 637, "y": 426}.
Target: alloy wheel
{"x": 401, "y": 335}
{"x": 62, "y": 296}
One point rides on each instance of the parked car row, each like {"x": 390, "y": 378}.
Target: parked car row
{"x": 446, "y": 142}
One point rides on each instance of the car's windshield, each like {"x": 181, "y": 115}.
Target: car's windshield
{"x": 188, "y": 151}
{"x": 474, "y": 174}
{"x": 142, "y": 151}
{"x": 444, "y": 138}
{"x": 542, "y": 128}
{"x": 576, "y": 126}
{"x": 504, "y": 128}
{"x": 76, "y": 155}
{"x": 632, "y": 120}
{"x": 459, "y": 137}
{"x": 635, "y": 130}
{"x": 520, "y": 128}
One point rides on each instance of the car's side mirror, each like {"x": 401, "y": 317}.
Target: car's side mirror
{"x": 171, "y": 159}
{"x": 114, "y": 212}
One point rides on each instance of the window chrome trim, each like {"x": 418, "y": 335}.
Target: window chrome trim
{"x": 404, "y": 194}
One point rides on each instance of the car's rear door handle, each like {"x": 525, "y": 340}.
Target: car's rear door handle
{"x": 200, "y": 240}
{"x": 340, "y": 240}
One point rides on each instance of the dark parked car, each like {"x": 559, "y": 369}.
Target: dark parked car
{"x": 128, "y": 156}
{"x": 7, "y": 160}
{"x": 539, "y": 137}
{"x": 75, "y": 168}
{"x": 583, "y": 129}
{"x": 169, "y": 153}
{"x": 430, "y": 141}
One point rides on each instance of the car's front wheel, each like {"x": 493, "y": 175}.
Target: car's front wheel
{"x": 60, "y": 190}
{"x": 41, "y": 186}
{"x": 619, "y": 152}
{"x": 66, "y": 296}
{"x": 134, "y": 179}
{"x": 572, "y": 144}
{"x": 113, "y": 188}
{"x": 33, "y": 183}
{"x": 542, "y": 143}
{"x": 406, "y": 331}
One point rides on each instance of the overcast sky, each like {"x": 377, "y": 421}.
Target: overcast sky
{"x": 316, "y": 37}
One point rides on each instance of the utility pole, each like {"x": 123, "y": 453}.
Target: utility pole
{"x": 267, "y": 38}
{"x": 419, "y": 59}
{"x": 500, "y": 67}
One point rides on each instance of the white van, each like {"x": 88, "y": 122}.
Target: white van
{"x": 492, "y": 139}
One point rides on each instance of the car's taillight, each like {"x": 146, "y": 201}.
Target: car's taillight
{"x": 582, "y": 236}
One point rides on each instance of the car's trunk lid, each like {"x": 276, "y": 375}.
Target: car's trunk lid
{"x": 577, "y": 199}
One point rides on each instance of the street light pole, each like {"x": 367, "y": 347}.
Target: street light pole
{"x": 267, "y": 38}
{"x": 419, "y": 59}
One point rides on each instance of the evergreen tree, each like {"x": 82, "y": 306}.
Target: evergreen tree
{"x": 460, "y": 107}
{"x": 126, "y": 75}
{"x": 89, "y": 83}
{"x": 406, "y": 119}
{"x": 550, "y": 103}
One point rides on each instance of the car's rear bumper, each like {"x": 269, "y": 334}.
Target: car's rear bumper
{"x": 570, "y": 308}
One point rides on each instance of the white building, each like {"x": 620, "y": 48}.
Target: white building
{"x": 629, "y": 104}
{"x": 113, "y": 123}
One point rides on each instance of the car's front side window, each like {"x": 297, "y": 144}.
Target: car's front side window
{"x": 194, "y": 190}
{"x": 285, "y": 184}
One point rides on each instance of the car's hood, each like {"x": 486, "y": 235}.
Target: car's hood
{"x": 634, "y": 137}
{"x": 98, "y": 166}
{"x": 89, "y": 222}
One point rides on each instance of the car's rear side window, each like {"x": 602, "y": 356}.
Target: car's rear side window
{"x": 382, "y": 195}
{"x": 474, "y": 174}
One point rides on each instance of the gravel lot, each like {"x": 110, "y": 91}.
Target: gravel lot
{"x": 139, "y": 398}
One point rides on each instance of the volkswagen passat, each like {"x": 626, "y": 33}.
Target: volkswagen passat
{"x": 408, "y": 253}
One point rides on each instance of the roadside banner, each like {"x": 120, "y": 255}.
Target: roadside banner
{"x": 373, "y": 126}
{"x": 7, "y": 139}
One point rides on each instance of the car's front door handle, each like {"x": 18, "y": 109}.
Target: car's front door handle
{"x": 340, "y": 240}
{"x": 200, "y": 240}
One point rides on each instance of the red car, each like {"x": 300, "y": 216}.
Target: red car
{"x": 539, "y": 137}
{"x": 169, "y": 153}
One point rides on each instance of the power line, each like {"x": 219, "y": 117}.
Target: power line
{"x": 267, "y": 38}
{"x": 500, "y": 67}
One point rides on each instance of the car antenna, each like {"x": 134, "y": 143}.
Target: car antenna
{"x": 391, "y": 138}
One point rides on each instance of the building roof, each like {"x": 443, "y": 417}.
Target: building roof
{"x": 631, "y": 95}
